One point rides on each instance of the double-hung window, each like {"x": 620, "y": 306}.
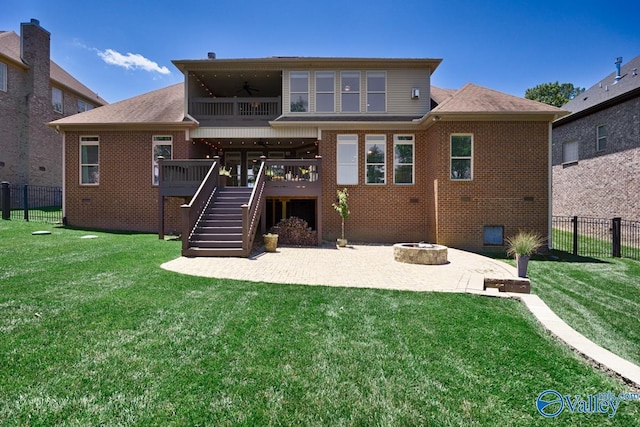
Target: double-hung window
{"x": 375, "y": 154}
{"x": 601, "y": 138}
{"x": 89, "y": 160}
{"x": 3, "y": 76}
{"x": 376, "y": 91}
{"x": 325, "y": 91}
{"x": 462, "y": 157}
{"x": 403, "y": 159}
{"x": 299, "y": 91}
{"x": 347, "y": 160}
{"x": 57, "y": 100}
{"x": 162, "y": 146}
{"x": 350, "y": 91}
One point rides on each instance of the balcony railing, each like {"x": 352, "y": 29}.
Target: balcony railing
{"x": 181, "y": 177}
{"x": 293, "y": 177}
{"x": 235, "y": 111}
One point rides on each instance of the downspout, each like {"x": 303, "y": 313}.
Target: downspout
{"x": 550, "y": 188}
{"x": 64, "y": 181}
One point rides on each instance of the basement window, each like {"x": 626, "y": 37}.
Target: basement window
{"x": 493, "y": 235}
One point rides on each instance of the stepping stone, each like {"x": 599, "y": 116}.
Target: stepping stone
{"x": 41, "y": 233}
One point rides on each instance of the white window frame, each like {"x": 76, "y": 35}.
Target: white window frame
{"x": 452, "y": 157}
{"x": 84, "y": 106}
{"x": 347, "y": 167}
{"x": 371, "y": 92}
{"x": 348, "y": 90}
{"x": 89, "y": 141}
{"x": 303, "y": 95}
{"x": 57, "y": 100}
{"x": 375, "y": 140}
{"x": 4, "y": 70}
{"x": 159, "y": 140}
{"x": 404, "y": 140}
{"x": 332, "y": 93}
{"x": 570, "y": 152}
{"x": 601, "y": 140}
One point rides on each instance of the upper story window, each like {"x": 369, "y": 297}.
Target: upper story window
{"x": 601, "y": 138}
{"x": 376, "y": 91}
{"x": 462, "y": 157}
{"x": 299, "y": 91}
{"x": 3, "y": 76}
{"x": 56, "y": 100}
{"x": 84, "y": 106}
{"x": 403, "y": 159}
{"x": 347, "y": 160}
{"x": 350, "y": 91}
{"x": 325, "y": 91}
{"x": 375, "y": 146}
{"x": 570, "y": 152}
{"x": 89, "y": 160}
{"x": 162, "y": 146}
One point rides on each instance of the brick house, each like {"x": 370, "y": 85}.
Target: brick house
{"x": 34, "y": 90}
{"x": 596, "y": 149}
{"x": 463, "y": 168}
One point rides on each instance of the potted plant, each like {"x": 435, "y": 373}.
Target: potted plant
{"x": 270, "y": 242}
{"x": 522, "y": 246}
{"x": 343, "y": 210}
{"x": 225, "y": 174}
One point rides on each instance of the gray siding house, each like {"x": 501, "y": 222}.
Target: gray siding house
{"x": 596, "y": 149}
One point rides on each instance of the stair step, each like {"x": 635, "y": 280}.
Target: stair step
{"x": 219, "y": 229}
{"x": 215, "y": 237}
{"x": 220, "y": 244}
{"x": 214, "y": 252}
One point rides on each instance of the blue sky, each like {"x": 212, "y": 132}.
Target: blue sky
{"x": 123, "y": 48}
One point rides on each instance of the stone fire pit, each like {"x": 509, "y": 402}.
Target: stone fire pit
{"x": 420, "y": 253}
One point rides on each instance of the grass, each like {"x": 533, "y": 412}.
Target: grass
{"x": 599, "y": 297}
{"x": 94, "y": 332}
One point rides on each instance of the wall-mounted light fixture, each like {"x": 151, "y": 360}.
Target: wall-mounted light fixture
{"x": 415, "y": 93}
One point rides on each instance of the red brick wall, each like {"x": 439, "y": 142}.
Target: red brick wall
{"x": 509, "y": 186}
{"x": 379, "y": 213}
{"x": 125, "y": 199}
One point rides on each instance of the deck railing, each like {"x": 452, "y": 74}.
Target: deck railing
{"x": 235, "y": 110}
{"x": 181, "y": 177}
{"x": 293, "y": 177}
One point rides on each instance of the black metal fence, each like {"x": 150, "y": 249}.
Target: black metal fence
{"x": 599, "y": 237}
{"x": 31, "y": 203}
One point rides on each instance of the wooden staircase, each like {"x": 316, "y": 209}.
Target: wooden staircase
{"x": 219, "y": 230}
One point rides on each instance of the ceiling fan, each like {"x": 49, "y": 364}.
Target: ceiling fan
{"x": 246, "y": 87}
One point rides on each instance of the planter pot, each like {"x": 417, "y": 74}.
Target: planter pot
{"x": 522, "y": 261}
{"x": 341, "y": 242}
{"x": 270, "y": 242}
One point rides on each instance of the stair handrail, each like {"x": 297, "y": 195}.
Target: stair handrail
{"x": 193, "y": 211}
{"x": 252, "y": 211}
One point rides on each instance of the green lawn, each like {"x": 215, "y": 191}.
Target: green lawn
{"x": 599, "y": 297}
{"x": 93, "y": 332}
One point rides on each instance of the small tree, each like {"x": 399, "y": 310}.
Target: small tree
{"x": 342, "y": 208}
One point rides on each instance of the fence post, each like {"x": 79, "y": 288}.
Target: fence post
{"x": 6, "y": 200}
{"x": 25, "y": 202}
{"x": 616, "y": 236}
{"x": 575, "y": 235}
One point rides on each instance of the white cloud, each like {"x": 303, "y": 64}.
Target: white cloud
{"x": 131, "y": 61}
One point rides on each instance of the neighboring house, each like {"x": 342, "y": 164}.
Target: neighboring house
{"x": 34, "y": 90}
{"x": 464, "y": 168}
{"x": 596, "y": 149}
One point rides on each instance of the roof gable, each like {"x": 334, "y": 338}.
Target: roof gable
{"x": 160, "y": 107}
{"x": 473, "y": 99}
